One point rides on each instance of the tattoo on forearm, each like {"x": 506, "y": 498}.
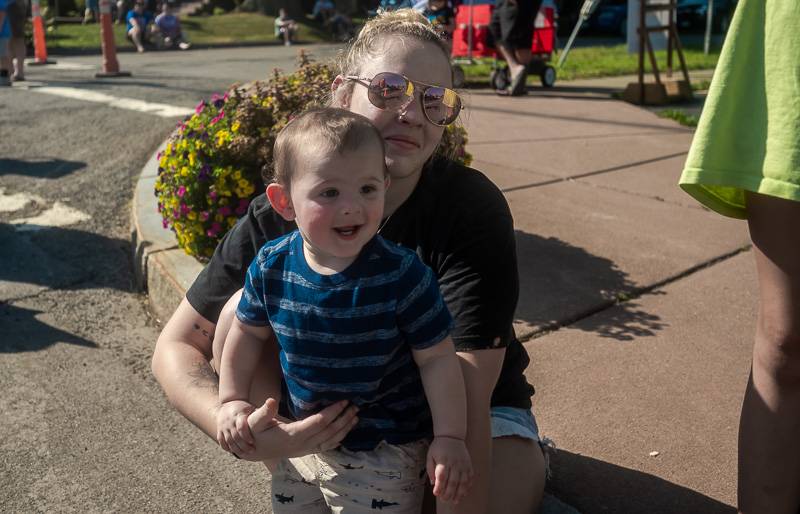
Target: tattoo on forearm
{"x": 203, "y": 376}
{"x": 208, "y": 335}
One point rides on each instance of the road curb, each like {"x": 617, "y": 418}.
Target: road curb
{"x": 161, "y": 269}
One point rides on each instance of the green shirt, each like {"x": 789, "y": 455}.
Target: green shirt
{"x": 748, "y": 137}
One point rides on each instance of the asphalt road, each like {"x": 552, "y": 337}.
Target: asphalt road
{"x": 84, "y": 426}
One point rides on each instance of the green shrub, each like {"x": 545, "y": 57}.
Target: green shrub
{"x": 211, "y": 167}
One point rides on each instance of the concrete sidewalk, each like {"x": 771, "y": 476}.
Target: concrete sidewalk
{"x": 592, "y": 185}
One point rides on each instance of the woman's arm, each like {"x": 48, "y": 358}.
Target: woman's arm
{"x": 181, "y": 365}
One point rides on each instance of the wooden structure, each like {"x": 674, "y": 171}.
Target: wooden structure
{"x": 662, "y": 91}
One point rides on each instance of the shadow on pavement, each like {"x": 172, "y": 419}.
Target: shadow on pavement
{"x": 64, "y": 258}
{"x": 51, "y": 168}
{"x": 561, "y": 284}
{"x": 22, "y": 332}
{"x": 594, "y": 486}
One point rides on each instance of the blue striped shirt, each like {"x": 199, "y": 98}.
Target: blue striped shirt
{"x": 349, "y": 335}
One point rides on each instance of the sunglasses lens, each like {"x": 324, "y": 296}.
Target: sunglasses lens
{"x": 390, "y": 91}
{"x": 441, "y": 105}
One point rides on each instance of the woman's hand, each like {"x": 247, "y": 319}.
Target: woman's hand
{"x": 275, "y": 438}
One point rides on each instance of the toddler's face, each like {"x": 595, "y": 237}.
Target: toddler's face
{"x": 338, "y": 202}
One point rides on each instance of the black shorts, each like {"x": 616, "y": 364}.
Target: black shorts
{"x": 512, "y": 22}
{"x": 16, "y": 18}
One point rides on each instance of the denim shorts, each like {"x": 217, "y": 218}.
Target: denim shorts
{"x": 512, "y": 421}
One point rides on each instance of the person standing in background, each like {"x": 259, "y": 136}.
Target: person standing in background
{"x": 511, "y": 27}
{"x": 5, "y": 35}
{"x": 17, "y": 10}
{"x": 745, "y": 163}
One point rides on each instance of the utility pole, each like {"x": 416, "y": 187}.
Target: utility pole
{"x": 709, "y": 25}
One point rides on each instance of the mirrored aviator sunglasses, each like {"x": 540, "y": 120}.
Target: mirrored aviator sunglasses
{"x": 392, "y": 91}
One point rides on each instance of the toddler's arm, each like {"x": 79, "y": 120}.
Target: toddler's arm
{"x": 240, "y": 356}
{"x": 449, "y": 465}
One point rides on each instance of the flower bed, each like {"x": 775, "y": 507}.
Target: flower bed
{"x": 211, "y": 167}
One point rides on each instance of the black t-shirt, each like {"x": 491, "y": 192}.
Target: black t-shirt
{"x": 459, "y": 224}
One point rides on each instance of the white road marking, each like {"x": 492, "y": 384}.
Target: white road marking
{"x": 59, "y": 215}
{"x": 15, "y": 202}
{"x": 131, "y": 104}
{"x": 66, "y": 65}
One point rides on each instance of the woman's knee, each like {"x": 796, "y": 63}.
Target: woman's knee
{"x": 777, "y": 351}
{"x": 518, "y": 475}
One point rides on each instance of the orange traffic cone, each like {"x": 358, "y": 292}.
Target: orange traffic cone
{"x": 39, "y": 45}
{"x": 110, "y": 64}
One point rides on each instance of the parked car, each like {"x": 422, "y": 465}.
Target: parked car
{"x": 610, "y": 17}
{"x": 692, "y": 14}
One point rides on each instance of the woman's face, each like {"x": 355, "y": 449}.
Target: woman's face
{"x": 410, "y": 138}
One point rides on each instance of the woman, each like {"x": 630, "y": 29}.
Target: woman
{"x": 745, "y": 163}
{"x": 450, "y": 215}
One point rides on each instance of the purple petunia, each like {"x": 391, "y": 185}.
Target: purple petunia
{"x": 181, "y": 191}
{"x": 215, "y": 229}
{"x": 242, "y": 208}
{"x": 200, "y": 107}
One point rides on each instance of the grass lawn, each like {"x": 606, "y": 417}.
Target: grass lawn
{"x": 601, "y": 61}
{"x": 200, "y": 30}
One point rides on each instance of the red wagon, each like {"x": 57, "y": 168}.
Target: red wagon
{"x": 471, "y": 38}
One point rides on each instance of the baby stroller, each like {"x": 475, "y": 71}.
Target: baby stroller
{"x": 472, "y": 38}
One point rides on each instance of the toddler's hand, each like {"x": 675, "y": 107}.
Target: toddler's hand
{"x": 233, "y": 432}
{"x": 449, "y": 468}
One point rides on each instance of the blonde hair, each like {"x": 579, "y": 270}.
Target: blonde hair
{"x": 321, "y": 130}
{"x": 406, "y": 23}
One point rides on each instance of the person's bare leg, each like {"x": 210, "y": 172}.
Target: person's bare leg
{"x": 523, "y": 56}
{"x": 769, "y": 446}
{"x": 16, "y": 46}
{"x": 518, "y": 476}
{"x": 514, "y": 66}
{"x": 136, "y": 36}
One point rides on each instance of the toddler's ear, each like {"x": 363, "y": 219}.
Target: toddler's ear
{"x": 280, "y": 200}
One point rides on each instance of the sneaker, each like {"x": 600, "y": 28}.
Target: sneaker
{"x": 184, "y": 45}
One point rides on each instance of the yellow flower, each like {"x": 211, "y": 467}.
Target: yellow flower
{"x": 163, "y": 161}
{"x": 184, "y": 172}
{"x": 192, "y": 215}
{"x": 223, "y": 136}
{"x": 235, "y": 126}
{"x": 237, "y": 175}
{"x": 191, "y": 158}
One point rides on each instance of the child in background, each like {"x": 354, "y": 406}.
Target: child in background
{"x": 441, "y": 16}
{"x": 168, "y": 27}
{"x": 356, "y": 318}
{"x": 285, "y": 27}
